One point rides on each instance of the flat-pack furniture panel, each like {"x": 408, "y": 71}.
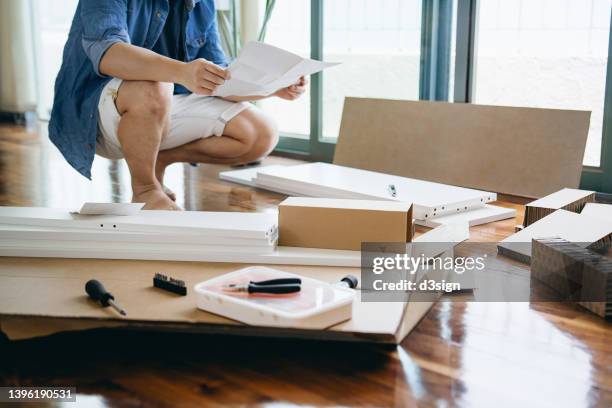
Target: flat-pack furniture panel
{"x": 245, "y": 176}
{"x": 598, "y": 210}
{"x": 582, "y": 230}
{"x": 566, "y": 199}
{"x": 179, "y": 252}
{"x": 26, "y": 232}
{"x": 332, "y": 181}
{"x": 221, "y": 224}
{"x": 477, "y": 216}
{"x": 520, "y": 151}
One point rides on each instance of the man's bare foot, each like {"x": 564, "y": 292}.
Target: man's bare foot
{"x": 160, "y": 169}
{"x": 171, "y": 194}
{"x": 154, "y": 199}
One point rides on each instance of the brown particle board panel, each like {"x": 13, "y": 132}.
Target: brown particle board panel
{"x": 525, "y": 152}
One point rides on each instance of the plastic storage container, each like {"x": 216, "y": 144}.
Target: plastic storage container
{"x": 317, "y": 306}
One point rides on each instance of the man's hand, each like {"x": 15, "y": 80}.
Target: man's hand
{"x": 294, "y": 91}
{"x": 202, "y": 77}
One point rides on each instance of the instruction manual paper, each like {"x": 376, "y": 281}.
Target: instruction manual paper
{"x": 262, "y": 69}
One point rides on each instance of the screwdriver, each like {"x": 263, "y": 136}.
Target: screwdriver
{"x": 97, "y": 292}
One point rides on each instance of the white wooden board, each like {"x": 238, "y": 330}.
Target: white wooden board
{"x": 109, "y": 250}
{"x": 129, "y": 246}
{"x": 323, "y": 179}
{"x": 8, "y": 231}
{"x": 477, "y": 216}
{"x": 221, "y": 224}
{"x": 245, "y": 176}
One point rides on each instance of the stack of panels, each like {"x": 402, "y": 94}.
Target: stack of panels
{"x": 430, "y": 199}
{"x": 32, "y": 228}
{"x": 156, "y": 235}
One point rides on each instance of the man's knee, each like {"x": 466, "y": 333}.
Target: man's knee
{"x": 148, "y": 98}
{"x": 265, "y": 137}
{"x": 256, "y": 132}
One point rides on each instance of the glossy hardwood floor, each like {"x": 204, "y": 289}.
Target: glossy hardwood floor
{"x": 461, "y": 354}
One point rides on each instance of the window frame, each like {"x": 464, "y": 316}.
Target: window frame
{"x": 315, "y": 147}
{"x": 600, "y": 178}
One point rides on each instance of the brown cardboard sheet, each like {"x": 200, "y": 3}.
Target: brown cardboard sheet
{"x": 520, "y": 151}
{"x": 342, "y": 224}
{"x": 41, "y": 296}
{"x": 20, "y": 328}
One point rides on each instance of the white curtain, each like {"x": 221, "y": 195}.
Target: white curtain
{"x": 17, "y": 69}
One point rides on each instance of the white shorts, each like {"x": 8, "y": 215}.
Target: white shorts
{"x": 192, "y": 117}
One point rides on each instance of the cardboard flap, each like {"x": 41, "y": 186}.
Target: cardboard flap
{"x": 44, "y": 289}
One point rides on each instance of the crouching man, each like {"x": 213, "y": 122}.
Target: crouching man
{"x": 135, "y": 83}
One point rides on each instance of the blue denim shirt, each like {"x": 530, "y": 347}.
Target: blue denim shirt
{"x": 97, "y": 25}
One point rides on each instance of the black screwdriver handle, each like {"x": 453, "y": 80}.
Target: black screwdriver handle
{"x": 276, "y": 289}
{"x": 97, "y": 292}
{"x": 279, "y": 281}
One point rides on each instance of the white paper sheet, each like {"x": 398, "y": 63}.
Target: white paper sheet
{"x": 262, "y": 69}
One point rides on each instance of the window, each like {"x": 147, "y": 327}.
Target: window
{"x": 378, "y": 44}
{"x": 549, "y": 54}
{"x": 289, "y": 28}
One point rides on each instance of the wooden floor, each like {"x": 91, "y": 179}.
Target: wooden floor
{"x": 461, "y": 354}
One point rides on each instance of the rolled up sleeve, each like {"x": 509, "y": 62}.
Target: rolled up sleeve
{"x": 104, "y": 24}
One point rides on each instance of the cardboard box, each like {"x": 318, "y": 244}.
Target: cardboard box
{"x": 342, "y": 224}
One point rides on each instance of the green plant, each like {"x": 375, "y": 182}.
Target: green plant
{"x": 228, "y": 22}
{"x": 267, "y": 15}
